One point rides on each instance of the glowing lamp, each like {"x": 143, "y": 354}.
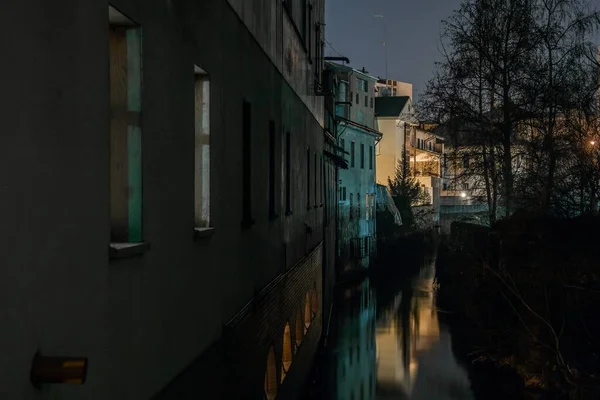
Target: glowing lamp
{"x": 63, "y": 370}
{"x": 592, "y": 142}
{"x": 463, "y": 194}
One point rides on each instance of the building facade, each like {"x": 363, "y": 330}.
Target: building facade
{"x": 357, "y": 137}
{"x": 183, "y": 211}
{"x": 404, "y": 136}
{"x": 393, "y": 88}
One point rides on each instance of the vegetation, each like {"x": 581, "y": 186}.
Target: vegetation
{"x": 407, "y": 193}
{"x": 519, "y": 299}
{"x": 517, "y": 94}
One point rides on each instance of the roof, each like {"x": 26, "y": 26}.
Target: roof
{"x": 362, "y": 127}
{"x": 347, "y": 68}
{"x": 390, "y": 106}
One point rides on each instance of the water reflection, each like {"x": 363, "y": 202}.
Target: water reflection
{"x": 397, "y": 350}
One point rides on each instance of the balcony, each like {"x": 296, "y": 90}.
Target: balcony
{"x": 428, "y": 147}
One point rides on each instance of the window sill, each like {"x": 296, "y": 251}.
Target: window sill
{"x": 200, "y": 233}
{"x": 126, "y": 250}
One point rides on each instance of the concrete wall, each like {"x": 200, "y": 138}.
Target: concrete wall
{"x": 389, "y": 149}
{"x": 394, "y": 88}
{"x": 364, "y": 115}
{"x": 141, "y": 321}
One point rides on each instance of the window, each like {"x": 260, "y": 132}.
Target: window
{"x": 352, "y": 145}
{"x": 362, "y": 84}
{"x": 357, "y": 99}
{"x": 343, "y": 144}
{"x": 370, "y": 157}
{"x": 125, "y": 42}
{"x": 351, "y": 96}
{"x": 308, "y": 177}
{"x": 366, "y": 101}
{"x": 288, "y": 174}
{"x": 371, "y": 102}
{"x": 351, "y": 207}
{"x": 202, "y": 148}
{"x": 319, "y": 48}
{"x": 465, "y": 160}
{"x": 362, "y": 155}
{"x": 315, "y": 179}
{"x": 271, "y": 375}
{"x": 272, "y": 209}
{"x": 358, "y": 205}
{"x": 246, "y": 164}
{"x": 309, "y": 43}
{"x": 286, "y": 359}
{"x": 323, "y": 180}
{"x": 344, "y": 194}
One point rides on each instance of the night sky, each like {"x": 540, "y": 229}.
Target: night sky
{"x": 413, "y": 32}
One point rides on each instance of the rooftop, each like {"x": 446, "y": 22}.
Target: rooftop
{"x": 390, "y": 106}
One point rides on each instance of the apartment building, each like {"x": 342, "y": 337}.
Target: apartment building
{"x": 357, "y": 137}
{"x": 164, "y": 194}
{"x": 393, "y": 88}
{"x": 405, "y": 136}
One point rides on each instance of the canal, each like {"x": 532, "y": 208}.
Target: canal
{"x": 386, "y": 341}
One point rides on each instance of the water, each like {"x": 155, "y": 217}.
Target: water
{"x": 386, "y": 342}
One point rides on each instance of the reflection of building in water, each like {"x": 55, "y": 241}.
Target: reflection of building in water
{"x": 409, "y": 328}
{"x": 355, "y": 357}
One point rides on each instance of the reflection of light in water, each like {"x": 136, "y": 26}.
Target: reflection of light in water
{"x": 355, "y": 347}
{"x": 413, "y": 356}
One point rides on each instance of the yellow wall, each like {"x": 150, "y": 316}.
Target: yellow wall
{"x": 389, "y": 149}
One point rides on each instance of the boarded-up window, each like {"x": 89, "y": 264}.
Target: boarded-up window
{"x": 125, "y": 128}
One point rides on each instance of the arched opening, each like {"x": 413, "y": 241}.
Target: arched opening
{"x": 299, "y": 328}
{"x": 271, "y": 376}
{"x": 307, "y": 313}
{"x": 286, "y": 359}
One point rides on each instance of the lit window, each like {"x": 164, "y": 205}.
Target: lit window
{"x": 286, "y": 359}
{"x": 125, "y": 49}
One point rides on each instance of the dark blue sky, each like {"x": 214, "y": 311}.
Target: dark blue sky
{"x": 413, "y": 31}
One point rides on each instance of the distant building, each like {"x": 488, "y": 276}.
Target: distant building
{"x": 404, "y": 136}
{"x": 393, "y": 88}
{"x": 357, "y": 137}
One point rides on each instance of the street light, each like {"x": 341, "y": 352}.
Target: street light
{"x": 463, "y": 195}
{"x": 592, "y": 142}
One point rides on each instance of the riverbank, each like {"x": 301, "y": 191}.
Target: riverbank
{"x": 521, "y": 302}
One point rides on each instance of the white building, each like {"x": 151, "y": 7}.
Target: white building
{"x": 393, "y": 88}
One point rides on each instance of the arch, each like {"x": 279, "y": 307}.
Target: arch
{"x": 286, "y": 355}
{"x": 271, "y": 375}
{"x": 299, "y": 327}
{"x": 307, "y": 313}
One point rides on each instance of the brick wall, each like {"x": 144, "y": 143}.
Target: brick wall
{"x": 234, "y": 368}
